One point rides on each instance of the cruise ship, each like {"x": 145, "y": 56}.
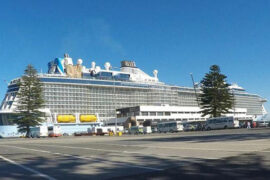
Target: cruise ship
{"x": 75, "y": 95}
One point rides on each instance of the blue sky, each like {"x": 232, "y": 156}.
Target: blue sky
{"x": 175, "y": 37}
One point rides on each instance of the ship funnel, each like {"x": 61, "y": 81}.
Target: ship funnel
{"x": 155, "y": 72}
{"x": 128, "y": 64}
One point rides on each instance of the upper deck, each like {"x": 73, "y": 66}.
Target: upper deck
{"x": 63, "y": 67}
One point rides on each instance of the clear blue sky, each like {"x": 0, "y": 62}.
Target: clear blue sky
{"x": 175, "y": 37}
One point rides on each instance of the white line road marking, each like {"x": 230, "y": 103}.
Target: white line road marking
{"x": 85, "y": 158}
{"x": 27, "y": 168}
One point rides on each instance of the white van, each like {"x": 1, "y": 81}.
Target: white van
{"x": 37, "y": 132}
{"x": 147, "y": 130}
{"x": 220, "y": 123}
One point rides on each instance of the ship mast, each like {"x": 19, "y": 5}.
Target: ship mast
{"x": 195, "y": 89}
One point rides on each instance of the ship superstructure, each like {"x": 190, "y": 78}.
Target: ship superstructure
{"x": 80, "y": 91}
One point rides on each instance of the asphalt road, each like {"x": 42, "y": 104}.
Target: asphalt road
{"x": 223, "y": 154}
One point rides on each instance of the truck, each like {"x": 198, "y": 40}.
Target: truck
{"x": 40, "y": 131}
{"x": 54, "y": 131}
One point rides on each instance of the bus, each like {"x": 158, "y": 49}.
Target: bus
{"x": 173, "y": 126}
{"x": 221, "y": 123}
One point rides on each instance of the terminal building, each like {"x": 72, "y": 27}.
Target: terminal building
{"x": 76, "y": 90}
{"x": 139, "y": 114}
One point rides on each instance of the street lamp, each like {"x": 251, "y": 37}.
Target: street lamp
{"x": 114, "y": 102}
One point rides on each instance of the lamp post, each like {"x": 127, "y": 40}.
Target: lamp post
{"x": 233, "y": 103}
{"x": 114, "y": 102}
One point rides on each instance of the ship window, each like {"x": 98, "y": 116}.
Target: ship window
{"x": 105, "y": 74}
{"x": 167, "y": 113}
{"x": 144, "y": 113}
{"x": 152, "y": 113}
{"x": 7, "y": 119}
{"x": 122, "y": 76}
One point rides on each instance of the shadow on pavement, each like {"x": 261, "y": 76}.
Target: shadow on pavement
{"x": 247, "y": 166}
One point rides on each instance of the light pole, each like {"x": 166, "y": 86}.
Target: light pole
{"x": 233, "y": 103}
{"x": 114, "y": 105}
{"x": 114, "y": 101}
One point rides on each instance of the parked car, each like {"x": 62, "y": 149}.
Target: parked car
{"x": 136, "y": 130}
{"x": 193, "y": 126}
{"x": 262, "y": 123}
{"x": 189, "y": 127}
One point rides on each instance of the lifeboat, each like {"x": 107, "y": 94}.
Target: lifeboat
{"x": 88, "y": 118}
{"x": 66, "y": 119}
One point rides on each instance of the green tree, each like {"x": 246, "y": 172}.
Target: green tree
{"x": 30, "y": 101}
{"x": 216, "y": 98}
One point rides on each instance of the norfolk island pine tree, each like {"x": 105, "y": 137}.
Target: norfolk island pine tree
{"x": 30, "y": 101}
{"x": 216, "y": 98}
